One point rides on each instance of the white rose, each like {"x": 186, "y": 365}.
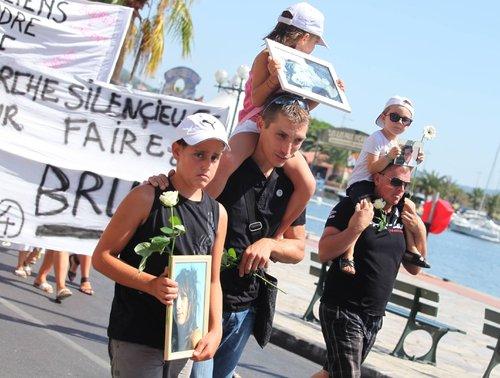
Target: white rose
{"x": 169, "y": 198}
{"x": 379, "y": 204}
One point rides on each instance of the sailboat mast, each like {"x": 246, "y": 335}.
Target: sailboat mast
{"x": 489, "y": 178}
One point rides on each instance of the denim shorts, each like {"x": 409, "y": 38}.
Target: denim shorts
{"x": 349, "y": 336}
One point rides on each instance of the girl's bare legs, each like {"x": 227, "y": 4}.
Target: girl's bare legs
{"x": 85, "y": 262}
{"x": 61, "y": 263}
{"x": 242, "y": 146}
{"x": 304, "y": 184}
{"x": 21, "y": 270}
{"x": 48, "y": 261}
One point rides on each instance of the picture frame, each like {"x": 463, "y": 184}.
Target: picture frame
{"x": 409, "y": 153}
{"x": 187, "y": 319}
{"x": 308, "y": 76}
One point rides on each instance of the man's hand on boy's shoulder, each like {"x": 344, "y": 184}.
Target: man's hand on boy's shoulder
{"x": 160, "y": 181}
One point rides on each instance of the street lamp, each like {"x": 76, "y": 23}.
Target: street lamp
{"x": 233, "y": 85}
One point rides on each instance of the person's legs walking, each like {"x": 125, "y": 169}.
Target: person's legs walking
{"x": 61, "y": 263}
{"x": 22, "y": 270}
{"x": 41, "y": 278}
{"x": 236, "y": 329}
{"x": 343, "y": 332}
{"x": 141, "y": 361}
{"x": 85, "y": 262}
{"x": 202, "y": 369}
{"x": 373, "y": 324}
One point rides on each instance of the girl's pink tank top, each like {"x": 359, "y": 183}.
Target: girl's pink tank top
{"x": 249, "y": 111}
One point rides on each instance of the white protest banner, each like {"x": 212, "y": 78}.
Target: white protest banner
{"x": 61, "y": 209}
{"x": 79, "y": 37}
{"x": 60, "y": 120}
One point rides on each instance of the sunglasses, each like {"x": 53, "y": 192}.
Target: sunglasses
{"x": 396, "y": 182}
{"x": 395, "y": 117}
{"x": 288, "y": 100}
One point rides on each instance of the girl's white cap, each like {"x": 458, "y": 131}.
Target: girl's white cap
{"x": 307, "y": 18}
{"x": 405, "y": 102}
{"x": 200, "y": 127}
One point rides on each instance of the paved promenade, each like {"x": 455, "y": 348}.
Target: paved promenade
{"x": 81, "y": 329}
{"x": 458, "y": 355}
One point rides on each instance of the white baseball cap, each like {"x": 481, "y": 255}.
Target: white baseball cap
{"x": 199, "y": 127}
{"x": 307, "y": 18}
{"x": 405, "y": 102}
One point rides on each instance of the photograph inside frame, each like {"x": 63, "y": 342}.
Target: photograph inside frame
{"x": 308, "y": 76}
{"x": 409, "y": 153}
{"x": 187, "y": 318}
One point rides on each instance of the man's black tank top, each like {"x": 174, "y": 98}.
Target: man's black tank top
{"x": 139, "y": 317}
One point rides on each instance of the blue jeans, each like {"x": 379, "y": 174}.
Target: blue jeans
{"x": 349, "y": 336}
{"x": 236, "y": 329}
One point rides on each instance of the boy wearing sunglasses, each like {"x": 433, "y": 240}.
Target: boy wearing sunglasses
{"x": 379, "y": 150}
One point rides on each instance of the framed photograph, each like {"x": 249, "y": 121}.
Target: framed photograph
{"x": 307, "y": 76}
{"x": 187, "y": 318}
{"x": 409, "y": 153}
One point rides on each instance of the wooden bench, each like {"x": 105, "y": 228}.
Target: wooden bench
{"x": 408, "y": 301}
{"x": 491, "y": 328}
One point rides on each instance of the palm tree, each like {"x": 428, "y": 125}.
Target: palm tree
{"x": 475, "y": 197}
{"x": 171, "y": 16}
{"x": 493, "y": 205}
{"x": 430, "y": 182}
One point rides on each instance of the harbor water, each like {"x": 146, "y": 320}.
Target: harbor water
{"x": 463, "y": 259}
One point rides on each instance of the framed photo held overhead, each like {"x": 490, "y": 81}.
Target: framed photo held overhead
{"x": 307, "y": 76}
{"x": 187, "y": 318}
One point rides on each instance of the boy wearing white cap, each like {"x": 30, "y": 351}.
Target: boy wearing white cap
{"x": 136, "y": 328}
{"x": 379, "y": 150}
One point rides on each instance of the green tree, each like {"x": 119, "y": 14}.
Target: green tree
{"x": 430, "y": 182}
{"x": 315, "y": 133}
{"x": 147, "y": 40}
{"x": 475, "y": 197}
{"x": 493, "y": 205}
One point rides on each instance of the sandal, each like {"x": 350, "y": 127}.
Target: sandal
{"x": 33, "y": 257}
{"x": 73, "y": 260}
{"x": 87, "y": 289}
{"x": 347, "y": 266}
{"x": 63, "y": 294}
{"x": 27, "y": 269}
{"x": 415, "y": 259}
{"x": 44, "y": 286}
{"x": 21, "y": 273}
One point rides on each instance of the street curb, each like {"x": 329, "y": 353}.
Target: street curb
{"x": 312, "y": 351}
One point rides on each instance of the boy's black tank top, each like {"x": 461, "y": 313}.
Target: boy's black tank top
{"x": 139, "y": 317}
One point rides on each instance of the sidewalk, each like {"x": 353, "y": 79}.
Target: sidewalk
{"x": 457, "y": 355}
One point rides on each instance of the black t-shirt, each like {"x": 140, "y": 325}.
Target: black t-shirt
{"x": 271, "y": 196}
{"x": 138, "y": 317}
{"x": 377, "y": 255}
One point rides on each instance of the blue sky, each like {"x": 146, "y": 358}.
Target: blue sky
{"x": 444, "y": 55}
